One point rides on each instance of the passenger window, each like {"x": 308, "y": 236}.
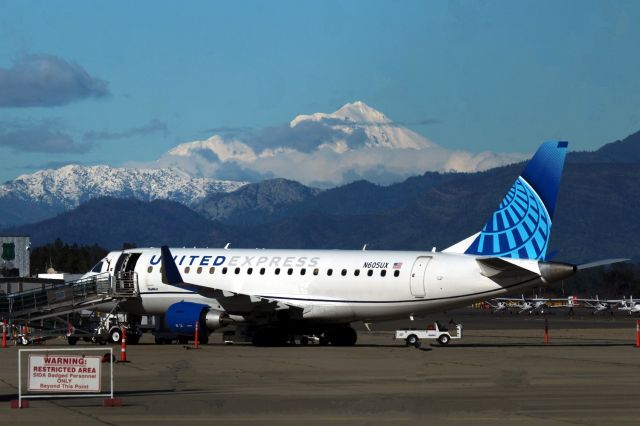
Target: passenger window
{"x": 186, "y": 270}
{"x": 290, "y": 271}
{"x": 396, "y": 273}
{"x": 149, "y": 269}
{"x": 356, "y": 272}
{"x": 316, "y": 271}
{"x": 383, "y": 272}
{"x": 212, "y": 270}
{"x": 261, "y": 271}
{"x": 277, "y": 271}
{"x": 329, "y": 272}
{"x": 224, "y": 270}
{"x": 249, "y": 271}
{"x": 344, "y": 272}
{"x": 237, "y": 271}
{"x": 303, "y": 271}
{"x": 370, "y": 272}
{"x": 199, "y": 270}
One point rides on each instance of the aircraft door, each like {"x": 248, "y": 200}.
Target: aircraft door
{"x": 127, "y": 262}
{"x": 126, "y": 279}
{"x": 418, "y": 276}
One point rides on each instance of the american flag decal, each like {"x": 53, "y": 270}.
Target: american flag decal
{"x": 397, "y": 265}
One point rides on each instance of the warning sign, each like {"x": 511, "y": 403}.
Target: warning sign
{"x": 64, "y": 373}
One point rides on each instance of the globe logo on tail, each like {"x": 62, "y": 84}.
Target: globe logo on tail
{"x": 519, "y": 228}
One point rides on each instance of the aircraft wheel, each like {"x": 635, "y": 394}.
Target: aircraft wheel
{"x": 343, "y": 336}
{"x": 270, "y": 337}
{"x": 444, "y": 339}
{"x": 159, "y": 341}
{"x": 183, "y": 340}
{"x": 304, "y": 340}
{"x": 72, "y": 340}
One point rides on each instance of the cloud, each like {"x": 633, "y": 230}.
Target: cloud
{"x": 322, "y": 166}
{"x": 40, "y": 80}
{"x": 227, "y": 130}
{"x": 324, "y": 150}
{"x": 153, "y": 126}
{"x": 44, "y": 136}
{"x": 52, "y": 165}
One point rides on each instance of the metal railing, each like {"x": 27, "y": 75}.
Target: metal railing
{"x": 71, "y": 295}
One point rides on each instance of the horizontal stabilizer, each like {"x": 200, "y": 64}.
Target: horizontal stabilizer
{"x": 601, "y": 263}
{"x": 504, "y": 272}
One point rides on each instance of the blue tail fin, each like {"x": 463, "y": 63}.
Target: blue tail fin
{"x": 521, "y": 226}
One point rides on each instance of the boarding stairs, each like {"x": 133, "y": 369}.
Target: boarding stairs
{"x": 72, "y": 296}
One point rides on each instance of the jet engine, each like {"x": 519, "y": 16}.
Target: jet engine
{"x": 181, "y": 318}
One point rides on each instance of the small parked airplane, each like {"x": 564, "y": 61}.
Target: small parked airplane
{"x": 601, "y": 305}
{"x": 276, "y": 295}
{"x": 631, "y": 306}
{"x": 536, "y": 305}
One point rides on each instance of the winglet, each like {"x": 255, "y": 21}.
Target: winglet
{"x": 170, "y": 273}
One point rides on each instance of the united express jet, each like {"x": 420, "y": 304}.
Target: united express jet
{"x": 278, "y": 295}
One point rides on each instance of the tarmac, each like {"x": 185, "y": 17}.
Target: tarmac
{"x": 501, "y": 372}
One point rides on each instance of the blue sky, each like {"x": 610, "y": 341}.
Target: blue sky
{"x": 138, "y": 78}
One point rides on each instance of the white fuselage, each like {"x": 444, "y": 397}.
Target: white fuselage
{"x": 327, "y": 285}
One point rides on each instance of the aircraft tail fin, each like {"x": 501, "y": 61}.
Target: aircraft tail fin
{"x": 520, "y": 227}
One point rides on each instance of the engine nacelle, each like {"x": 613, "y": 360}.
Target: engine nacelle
{"x": 181, "y": 318}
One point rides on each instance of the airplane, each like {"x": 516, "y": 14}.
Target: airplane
{"x": 275, "y": 295}
{"x": 600, "y": 305}
{"x": 534, "y": 305}
{"x": 523, "y": 305}
{"x": 498, "y": 306}
{"x": 630, "y": 306}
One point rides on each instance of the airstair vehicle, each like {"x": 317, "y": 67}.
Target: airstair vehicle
{"x": 44, "y": 308}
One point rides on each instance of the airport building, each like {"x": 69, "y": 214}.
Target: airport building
{"x": 14, "y": 256}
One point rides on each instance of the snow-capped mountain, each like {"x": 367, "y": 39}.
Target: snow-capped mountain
{"x": 354, "y": 125}
{"x": 326, "y": 149}
{"x": 48, "y": 192}
{"x": 380, "y": 131}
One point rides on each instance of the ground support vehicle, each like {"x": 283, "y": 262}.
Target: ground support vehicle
{"x": 436, "y": 331}
{"x": 92, "y": 327}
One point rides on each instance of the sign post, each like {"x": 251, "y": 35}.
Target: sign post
{"x": 56, "y": 373}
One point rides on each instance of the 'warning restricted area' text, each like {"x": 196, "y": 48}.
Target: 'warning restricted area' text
{"x": 64, "y": 373}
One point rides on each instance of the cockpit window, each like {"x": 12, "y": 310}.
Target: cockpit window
{"x": 97, "y": 268}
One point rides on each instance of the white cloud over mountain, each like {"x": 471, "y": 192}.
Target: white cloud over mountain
{"x": 354, "y": 142}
